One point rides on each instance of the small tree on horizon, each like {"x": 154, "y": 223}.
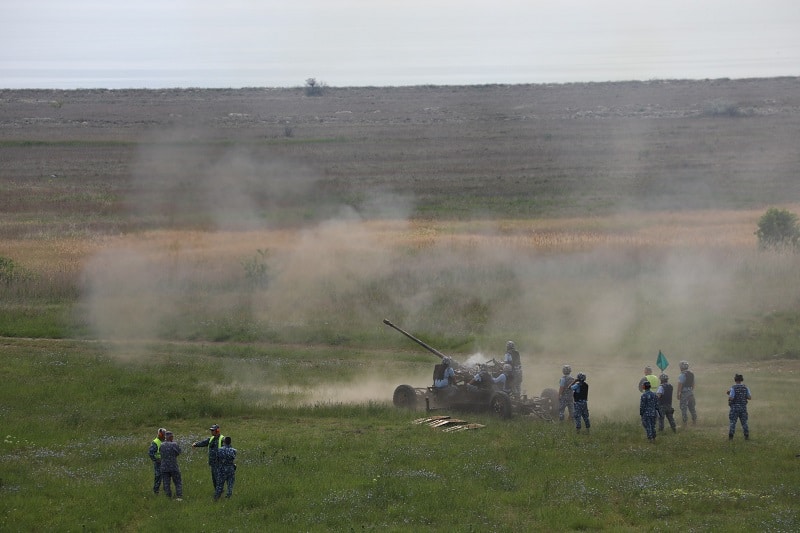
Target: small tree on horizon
{"x": 314, "y": 87}
{"x": 778, "y": 229}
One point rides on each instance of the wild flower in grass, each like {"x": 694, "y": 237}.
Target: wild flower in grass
{"x": 425, "y": 474}
{"x": 720, "y": 495}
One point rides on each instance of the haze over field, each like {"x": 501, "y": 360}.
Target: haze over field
{"x": 604, "y": 294}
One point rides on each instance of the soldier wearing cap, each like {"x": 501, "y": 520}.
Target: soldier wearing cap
{"x": 214, "y": 442}
{"x": 155, "y": 455}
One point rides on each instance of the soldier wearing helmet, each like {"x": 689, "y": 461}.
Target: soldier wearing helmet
{"x": 565, "y": 401}
{"x": 649, "y": 411}
{"x": 685, "y": 393}
{"x": 580, "y": 395}
{"x": 504, "y": 380}
{"x": 664, "y": 394}
{"x": 512, "y": 358}
{"x": 155, "y": 455}
{"x": 443, "y": 374}
{"x": 738, "y": 396}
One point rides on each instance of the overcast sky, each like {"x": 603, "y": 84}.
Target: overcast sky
{"x": 265, "y": 43}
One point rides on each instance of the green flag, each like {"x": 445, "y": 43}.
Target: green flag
{"x": 662, "y": 362}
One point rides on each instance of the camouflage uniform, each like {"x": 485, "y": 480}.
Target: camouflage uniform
{"x": 581, "y": 397}
{"x": 738, "y": 395}
{"x": 649, "y": 410}
{"x": 170, "y": 472}
{"x": 565, "y": 399}
{"x": 213, "y": 444}
{"x": 227, "y": 470}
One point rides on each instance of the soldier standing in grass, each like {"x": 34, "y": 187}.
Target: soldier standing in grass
{"x": 227, "y": 469}
{"x": 213, "y": 443}
{"x": 649, "y": 410}
{"x": 580, "y": 395}
{"x": 565, "y": 400}
{"x": 738, "y": 396}
{"x": 664, "y": 394}
{"x": 686, "y": 393}
{"x": 155, "y": 455}
{"x": 170, "y": 450}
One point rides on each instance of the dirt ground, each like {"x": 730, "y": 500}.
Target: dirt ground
{"x": 456, "y": 151}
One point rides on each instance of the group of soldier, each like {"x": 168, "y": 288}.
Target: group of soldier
{"x": 655, "y": 403}
{"x": 658, "y": 405}
{"x": 164, "y": 452}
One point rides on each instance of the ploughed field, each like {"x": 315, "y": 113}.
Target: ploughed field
{"x": 97, "y": 159}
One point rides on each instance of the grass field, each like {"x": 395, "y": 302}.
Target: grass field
{"x": 156, "y": 272}
{"x": 78, "y": 424}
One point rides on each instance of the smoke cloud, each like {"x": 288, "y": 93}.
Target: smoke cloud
{"x": 605, "y": 300}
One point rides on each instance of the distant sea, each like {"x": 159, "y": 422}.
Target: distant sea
{"x": 587, "y": 70}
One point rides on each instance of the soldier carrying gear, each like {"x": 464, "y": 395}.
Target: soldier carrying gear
{"x": 581, "y": 397}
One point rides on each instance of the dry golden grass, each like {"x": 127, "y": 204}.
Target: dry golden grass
{"x": 733, "y": 230}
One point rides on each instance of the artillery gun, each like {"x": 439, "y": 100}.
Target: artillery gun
{"x": 480, "y": 396}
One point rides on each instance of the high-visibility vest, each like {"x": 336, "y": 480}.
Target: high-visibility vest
{"x": 219, "y": 443}
{"x": 158, "y": 447}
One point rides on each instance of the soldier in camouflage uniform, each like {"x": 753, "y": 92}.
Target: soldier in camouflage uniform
{"x": 227, "y": 469}
{"x": 565, "y": 400}
{"x": 170, "y": 472}
{"x": 580, "y": 394}
{"x": 213, "y": 443}
{"x": 738, "y": 396}
{"x": 649, "y": 410}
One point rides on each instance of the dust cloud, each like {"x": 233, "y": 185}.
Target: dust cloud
{"x": 605, "y": 301}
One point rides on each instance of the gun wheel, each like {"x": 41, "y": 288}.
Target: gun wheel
{"x": 405, "y": 397}
{"x": 501, "y": 405}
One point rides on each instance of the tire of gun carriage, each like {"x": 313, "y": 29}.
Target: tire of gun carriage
{"x": 551, "y": 395}
{"x": 501, "y": 405}
{"x": 405, "y": 397}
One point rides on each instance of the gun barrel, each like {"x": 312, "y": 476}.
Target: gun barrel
{"x": 431, "y": 349}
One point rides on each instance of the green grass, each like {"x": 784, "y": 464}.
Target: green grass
{"x": 78, "y": 421}
{"x": 40, "y": 320}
